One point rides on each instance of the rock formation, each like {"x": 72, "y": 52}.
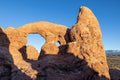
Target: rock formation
{"x": 87, "y": 39}
{"x": 80, "y": 56}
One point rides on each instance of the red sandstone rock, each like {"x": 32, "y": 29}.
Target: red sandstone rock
{"x": 32, "y": 53}
{"x": 87, "y": 36}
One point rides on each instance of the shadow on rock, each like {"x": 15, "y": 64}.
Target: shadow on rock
{"x": 8, "y": 71}
{"x": 62, "y": 67}
{"x": 115, "y": 74}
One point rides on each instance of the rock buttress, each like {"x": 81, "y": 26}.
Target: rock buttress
{"x": 86, "y": 42}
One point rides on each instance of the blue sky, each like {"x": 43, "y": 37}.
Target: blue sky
{"x": 19, "y": 12}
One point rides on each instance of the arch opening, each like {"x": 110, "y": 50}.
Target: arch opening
{"x": 58, "y": 43}
{"x": 35, "y": 40}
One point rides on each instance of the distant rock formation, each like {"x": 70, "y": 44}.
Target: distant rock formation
{"x": 80, "y": 56}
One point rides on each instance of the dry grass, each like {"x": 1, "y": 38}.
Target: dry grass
{"x": 113, "y": 61}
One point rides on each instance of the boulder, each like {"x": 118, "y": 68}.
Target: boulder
{"x": 32, "y": 53}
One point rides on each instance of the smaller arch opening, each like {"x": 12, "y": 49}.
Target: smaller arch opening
{"x": 58, "y": 43}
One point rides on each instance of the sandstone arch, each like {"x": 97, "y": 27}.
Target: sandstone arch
{"x": 18, "y": 39}
{"x": 51, "y": 32}
{"x": 83, "y": 40}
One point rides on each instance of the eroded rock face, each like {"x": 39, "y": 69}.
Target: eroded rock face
{"x": 80, "y": 55}
{"x": 87, "y": 39}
